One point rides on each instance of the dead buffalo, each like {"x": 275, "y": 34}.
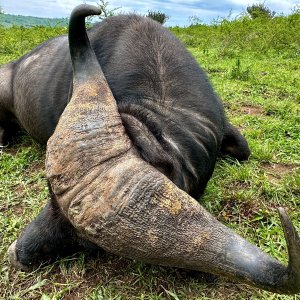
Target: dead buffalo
{"x": 132, "y": 146}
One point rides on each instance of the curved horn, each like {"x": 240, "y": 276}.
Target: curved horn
{"x": 118, "y": 201}
{"x": 83, "y": 57}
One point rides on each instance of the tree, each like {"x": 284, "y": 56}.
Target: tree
{"x": 1, "y": 10}
{"x": 157, "y": 16}
{"x": 105, "y": 10}
{"x": 260, "y": 11}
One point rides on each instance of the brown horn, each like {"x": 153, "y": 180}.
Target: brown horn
{"x": 118, "y": 201}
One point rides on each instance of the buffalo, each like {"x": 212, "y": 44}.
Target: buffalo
{"x": 133, "y": 129}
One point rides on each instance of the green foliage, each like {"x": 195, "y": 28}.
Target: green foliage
{"x": 235, "y": 38}
{"x": 240, "y": 73}
{"x": 16, "y": 41}
{"x": 157, "y": 16}
{"x": 106, "y": 11}
{"x": 8, "y": 20}
{"x": 260, "y": 11}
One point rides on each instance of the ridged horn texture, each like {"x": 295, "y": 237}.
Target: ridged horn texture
{"x": 125, "y": 206}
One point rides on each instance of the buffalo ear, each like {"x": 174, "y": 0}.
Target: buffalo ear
{"x": 234, "y": 144}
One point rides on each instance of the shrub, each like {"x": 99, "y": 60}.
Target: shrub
{"x": 260, "y": 11}
{"x": 157, "y": 16}
{"x": 234, "y": 38}
{"x": 240, "y": 73}
{"x": 106, "y": 11}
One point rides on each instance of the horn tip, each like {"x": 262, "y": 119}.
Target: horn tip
{"x": 285, "y": 220}
{"x": 86, "y": 10}
{"x": 293, "y": 245}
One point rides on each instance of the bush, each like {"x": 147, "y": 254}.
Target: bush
{"x": 260, "y": 11}
{"x": 260, "y": 36}
{"x": 158, "y": 16}
{"x": 240, "y": 73}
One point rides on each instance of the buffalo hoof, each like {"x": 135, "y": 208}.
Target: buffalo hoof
{"x": 13, "y": 259}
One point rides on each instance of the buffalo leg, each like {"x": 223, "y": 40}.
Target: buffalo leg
{"x": 8, "y": 130}
{"x": 8, "y": 122}
{"x": 234, "y": 144}
{"x": 48, "y": 237}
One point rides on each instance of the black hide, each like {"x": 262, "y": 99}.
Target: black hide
{"x": 168, "y": 107}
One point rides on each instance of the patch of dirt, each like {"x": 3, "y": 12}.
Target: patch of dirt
{"x": 19, "y": 189}
{"x": 9, "y": 150}
{"x": 252, "y": 110}
{"x": 234, "y": 211}
{"x": 19, "y": 211}
{"x": 275, "y": 171}
{"x": 37, "y": 166}
{"x": 23, "y": 188}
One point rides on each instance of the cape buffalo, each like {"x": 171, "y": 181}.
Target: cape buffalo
{"x": 135, "y": 143}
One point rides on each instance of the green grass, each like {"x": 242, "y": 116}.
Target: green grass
{"x": 261, "y": 96}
